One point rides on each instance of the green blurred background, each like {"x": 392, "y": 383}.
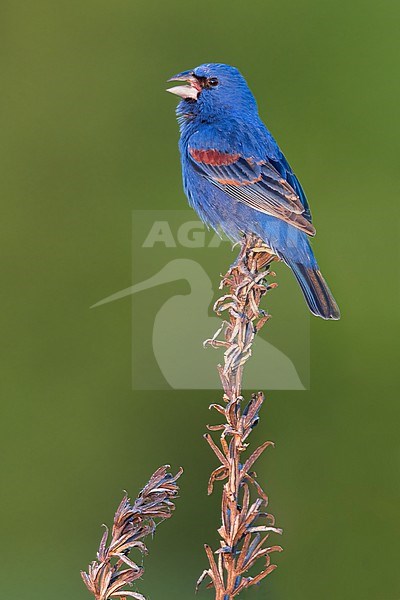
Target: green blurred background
{"x": 87, "y": 135}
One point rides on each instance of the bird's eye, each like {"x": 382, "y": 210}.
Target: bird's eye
{"x": 212, "y": 81}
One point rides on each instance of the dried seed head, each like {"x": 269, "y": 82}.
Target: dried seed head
{"x": 114, "y": 569}
{"x": 246, "y": 525}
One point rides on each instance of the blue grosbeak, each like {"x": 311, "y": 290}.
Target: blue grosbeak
{"x": 237, "y": 179}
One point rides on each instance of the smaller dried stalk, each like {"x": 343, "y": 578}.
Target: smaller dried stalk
{"x": 246, "y": 525}
{"x": 114, "y": 569}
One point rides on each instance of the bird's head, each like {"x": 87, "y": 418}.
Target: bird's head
{"x": 212, "y": 90}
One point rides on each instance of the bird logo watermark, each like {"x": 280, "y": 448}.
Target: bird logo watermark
{"x": 173, "y": 291}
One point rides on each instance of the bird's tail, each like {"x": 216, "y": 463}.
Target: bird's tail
{"x": 316, "y": 292}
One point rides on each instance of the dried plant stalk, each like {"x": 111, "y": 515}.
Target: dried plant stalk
{"x": 246, "y": 525}
{"x": 114, "y": 569}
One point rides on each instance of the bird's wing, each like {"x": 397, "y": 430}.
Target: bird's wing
{"x": 259, "y": 184}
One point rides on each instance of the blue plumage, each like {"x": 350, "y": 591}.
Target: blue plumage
{"x": 238, "y": 180}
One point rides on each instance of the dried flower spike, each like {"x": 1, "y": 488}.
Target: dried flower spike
{"x": 246, "y": 524}
{"x": 114, "y": 569}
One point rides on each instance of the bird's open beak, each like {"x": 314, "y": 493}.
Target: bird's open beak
{"x": 191, "y": 90}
